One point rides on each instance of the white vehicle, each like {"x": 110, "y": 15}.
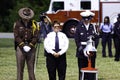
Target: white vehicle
{"x": 67, "y": 12}
{"x": 109, "y": 8}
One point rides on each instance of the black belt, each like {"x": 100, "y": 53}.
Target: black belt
{"x": 106, "y": 32}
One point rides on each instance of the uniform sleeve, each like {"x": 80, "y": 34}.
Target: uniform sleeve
{"x": 34, "y": 38}
{"x": 117, "y": 31}
{"x": 95, "y": 34}
{"x": 77, "y": 39}
{"x": 18, "y": 40}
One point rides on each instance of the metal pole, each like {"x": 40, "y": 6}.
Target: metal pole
{"x": 37, "y": 51}
{"x": 36, "y": 56}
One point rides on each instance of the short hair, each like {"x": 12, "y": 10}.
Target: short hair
{"x": 56, "y": 22}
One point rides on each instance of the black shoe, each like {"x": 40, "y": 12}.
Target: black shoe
{"x": 111, "y": 56}
{"x": 116, "y": 59}
{"x": 104, "y": 56}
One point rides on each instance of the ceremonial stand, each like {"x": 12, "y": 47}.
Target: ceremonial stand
{"x": 89, "y": 69}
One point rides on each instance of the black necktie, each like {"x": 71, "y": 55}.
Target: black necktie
{"x": 56, "y": 43}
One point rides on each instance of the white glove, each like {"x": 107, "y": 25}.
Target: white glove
{"x": 26, "y": 48}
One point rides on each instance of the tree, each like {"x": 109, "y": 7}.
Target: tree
{"x": 4, "y": 13}
{"x": 9, "y": 11}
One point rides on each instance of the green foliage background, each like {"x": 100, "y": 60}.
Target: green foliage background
{"x": 9, "y": 11}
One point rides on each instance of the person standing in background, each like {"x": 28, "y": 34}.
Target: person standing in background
{"x": 45, "y": 25}
{"x": 26, "y": 35}
{"x": 56, "y": 44}
{"x": 106, "y": 29}
{"x": 116, "y": 38}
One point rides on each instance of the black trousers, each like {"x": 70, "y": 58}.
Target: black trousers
{"x": 58, "y": 64}
{"x": 82, "y": 63}
{"x": 21, "y": 57}
{"x": 106, "y": 39}
{"x": 117, "y": 48}
{"x": 96, "y": 42}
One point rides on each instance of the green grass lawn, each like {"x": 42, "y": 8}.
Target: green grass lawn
{"x": 108, "y": 69}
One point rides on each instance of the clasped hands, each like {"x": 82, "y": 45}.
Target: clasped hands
{"x": 56, "y": 55}
{"x": 26, "y": 48}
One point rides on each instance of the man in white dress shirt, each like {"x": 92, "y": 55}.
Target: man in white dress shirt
{"x": 55, "y": 51}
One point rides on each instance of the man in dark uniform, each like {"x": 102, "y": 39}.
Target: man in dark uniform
{"x": 26, "y": 35}
{"x": 117, "y": 38}
{"x": 84, "y": 30}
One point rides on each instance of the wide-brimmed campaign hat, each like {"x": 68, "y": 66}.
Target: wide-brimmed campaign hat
{"x": 87, "y": 15}
{"x": 26, "y": 13}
